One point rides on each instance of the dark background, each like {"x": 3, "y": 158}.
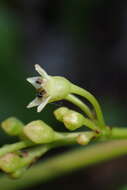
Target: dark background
{"x": 85, "y": 41}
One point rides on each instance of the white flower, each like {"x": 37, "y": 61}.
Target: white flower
{"x": 49, "y": 88}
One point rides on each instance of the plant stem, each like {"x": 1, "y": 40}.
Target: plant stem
{"x": 33, "y": 154}
{"x": 66, "y": 163}
{"x": 64, "y": 139}
{"x": 72, "y": 138}
{"x": 73, "y": 99}
{"x": 68, "y": 138}
{"x": 92, "y": 100}
{"x": 14, "y": 147}
{"x": 119, "y": 133}
{"x": 88, "y": 123}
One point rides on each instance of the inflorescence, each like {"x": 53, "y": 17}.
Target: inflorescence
{"x": 37, "y": 137}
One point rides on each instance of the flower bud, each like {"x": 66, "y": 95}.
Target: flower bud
{"x": 39, "y": 132}
{"x": 12, "y": 126}
{"x": 73, "y": 120}
{"x": 60, "y": 113}
{"x": 10, "y": 162}
{"x": 85, "y": 138}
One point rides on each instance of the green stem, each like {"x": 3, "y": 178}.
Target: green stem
{"x": 33, "y": 154}
{"x": 113, "y": 133}
{"x": 92, "y": 100}
{"x": 14, "y": 147}
{"x": 72, "y": 138}
{"x": 63, "y": 139}
{"x": 118, "y": 133}
{"x": 36, "y": 152}
{"x": 66, "y": 163}
{"x": 88, "y": 123}
{"x": 67, "y": 139}
{"x": 73, "y": 99}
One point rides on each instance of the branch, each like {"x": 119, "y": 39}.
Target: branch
{"x": 66, "y": 163}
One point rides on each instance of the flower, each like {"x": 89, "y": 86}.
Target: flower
{"x": 49, "y": 88}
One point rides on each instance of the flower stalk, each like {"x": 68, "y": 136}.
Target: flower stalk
{"x": 74, "y": 120}
{"x": 93, "y": 101}
{"x": 76, "y": 101}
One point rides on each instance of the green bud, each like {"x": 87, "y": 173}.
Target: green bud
{"x": 39, "y": 132}
{"x": 84, "y": 139}
{"x": 12, "y": 126}
{"x": 73, "y": 120}
{"x": 60, "y": 113}
{"x": 10, "y": 162}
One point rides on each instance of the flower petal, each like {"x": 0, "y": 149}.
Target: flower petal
{"x": 34, "y": 103}
{"x": 43, "y": 104}
{"x": 33, "y": 81}
{"x": 41, "y": 71}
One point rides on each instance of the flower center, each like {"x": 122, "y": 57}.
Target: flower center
{"x": 41, "y": 93}
{"x": 39, "y": 81}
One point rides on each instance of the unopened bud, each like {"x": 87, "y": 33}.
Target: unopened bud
{"x": 39, "y": 132}
{"x": 73, "y": 120}
{"x": 10, "y": 162}
{"x": 12, "y": 126}
{"x": 60, "y": 113}
{"x": 85, "y": 138}
{"x": 82, "y": 139}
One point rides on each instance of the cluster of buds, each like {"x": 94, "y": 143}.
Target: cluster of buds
{"x": 37, "y": 137}
{"x": 15, "y": 163}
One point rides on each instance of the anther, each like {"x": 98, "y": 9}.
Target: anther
{"x": 40, "y": 93}
{"x": 39, "y": 81}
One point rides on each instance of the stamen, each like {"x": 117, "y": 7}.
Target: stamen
{"x": 39, "y": 81}
{"x": 41, "y": 93}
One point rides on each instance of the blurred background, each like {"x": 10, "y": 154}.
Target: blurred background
{"x": 85, "y": 41}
